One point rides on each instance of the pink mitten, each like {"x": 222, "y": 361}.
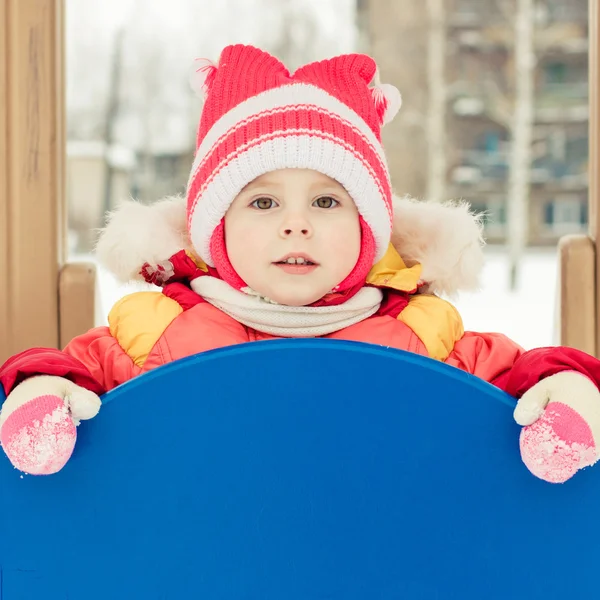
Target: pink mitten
{"x": 38, "y": 423}
{"x": 561, "y": 418}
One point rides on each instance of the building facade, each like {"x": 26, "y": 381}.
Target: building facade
{"x": 479, "y": 83}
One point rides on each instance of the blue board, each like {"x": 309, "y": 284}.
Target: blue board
{"x": 299, "y": 469}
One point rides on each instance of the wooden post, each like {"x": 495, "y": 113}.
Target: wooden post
{"x": 437, "y": 163}
{"x": 32, "y": 181}
{"x": 4, "y": 187}
{"x": 577, "y": 312}
{"x": 579, "y": 260}
{"x": 594, "y": 149}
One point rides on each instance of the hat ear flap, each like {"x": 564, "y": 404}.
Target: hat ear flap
{"x": 202, "y": 76}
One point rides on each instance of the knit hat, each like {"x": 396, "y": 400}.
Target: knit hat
{"x": 257, "y": 117}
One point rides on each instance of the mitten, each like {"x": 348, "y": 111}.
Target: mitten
{"x": 561, "y": 433}
{"x": 38, "y": 422}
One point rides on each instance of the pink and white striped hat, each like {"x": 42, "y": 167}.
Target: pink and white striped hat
{"x": 258, "y": 117}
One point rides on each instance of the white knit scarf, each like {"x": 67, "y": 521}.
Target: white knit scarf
{"x": 287, "y": 321}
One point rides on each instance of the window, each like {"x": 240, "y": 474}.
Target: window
{"x": 555, "y": 72}
{"x": 566, "y": 214}
{"x": 566, "y": 11}
{"x": 491, "y": 141}
{"x": 577, "y": 154}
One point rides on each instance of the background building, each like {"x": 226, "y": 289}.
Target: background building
{"x": 479, "y": 80}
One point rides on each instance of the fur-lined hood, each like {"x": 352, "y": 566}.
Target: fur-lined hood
{"x": 445, "y": 239}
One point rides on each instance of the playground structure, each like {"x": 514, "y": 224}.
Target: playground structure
{"x": 319, "y": 486}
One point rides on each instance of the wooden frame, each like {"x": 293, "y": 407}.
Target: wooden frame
{"x": 577, "y": 294}
{"x": 579, "y": 263}
{"x": 594, "y": 151}
{"x": 32, "y": 184}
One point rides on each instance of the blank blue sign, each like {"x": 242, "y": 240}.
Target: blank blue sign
{"x": 299, "y": 470}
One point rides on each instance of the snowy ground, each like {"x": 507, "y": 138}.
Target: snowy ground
{"x": 527, "y": 316}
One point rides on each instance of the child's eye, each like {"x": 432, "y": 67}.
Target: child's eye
{"x": 325, "y": 202}
{"x": 264, "y": 203}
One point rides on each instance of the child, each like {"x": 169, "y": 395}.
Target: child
{"x": 286, "y": 233}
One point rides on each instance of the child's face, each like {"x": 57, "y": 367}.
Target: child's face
{"x": 297, "y": 213}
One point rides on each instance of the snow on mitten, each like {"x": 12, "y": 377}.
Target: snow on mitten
{"x": 38, "y": 422}
{"x": 561, "y": 433}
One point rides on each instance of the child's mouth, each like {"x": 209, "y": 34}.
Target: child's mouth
{"x": 297, "y": 265}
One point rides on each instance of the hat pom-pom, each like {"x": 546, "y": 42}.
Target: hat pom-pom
{"x": 202, "y": 76}
{"x": 387, "y": 100}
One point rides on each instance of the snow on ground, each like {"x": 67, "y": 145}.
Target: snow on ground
{"x": 527, "y": 316}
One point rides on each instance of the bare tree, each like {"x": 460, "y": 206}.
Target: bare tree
{"x": 112, "y": 110}
{"x": 153, "y": 112}
{"x": 511, "y": 105}
{"x": 436, "y": 115}
{"x": 521, "y": 136}
{"x": 286, "y": 46}
{"x": 302, "y": 31}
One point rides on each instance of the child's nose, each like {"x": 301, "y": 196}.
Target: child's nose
{"x": 296, "y": 226}
{"x": 290, "y": 231}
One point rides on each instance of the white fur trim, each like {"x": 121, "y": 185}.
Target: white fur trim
{"x": 277, "y": 99}
{"x": 138, "y": 233}
{"x": 302, "y": 150}
{"x": 445, "y": 238}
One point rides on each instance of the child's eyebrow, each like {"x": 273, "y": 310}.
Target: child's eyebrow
{"x": 261, "y": 183}
{"x": 327, "y": 186}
